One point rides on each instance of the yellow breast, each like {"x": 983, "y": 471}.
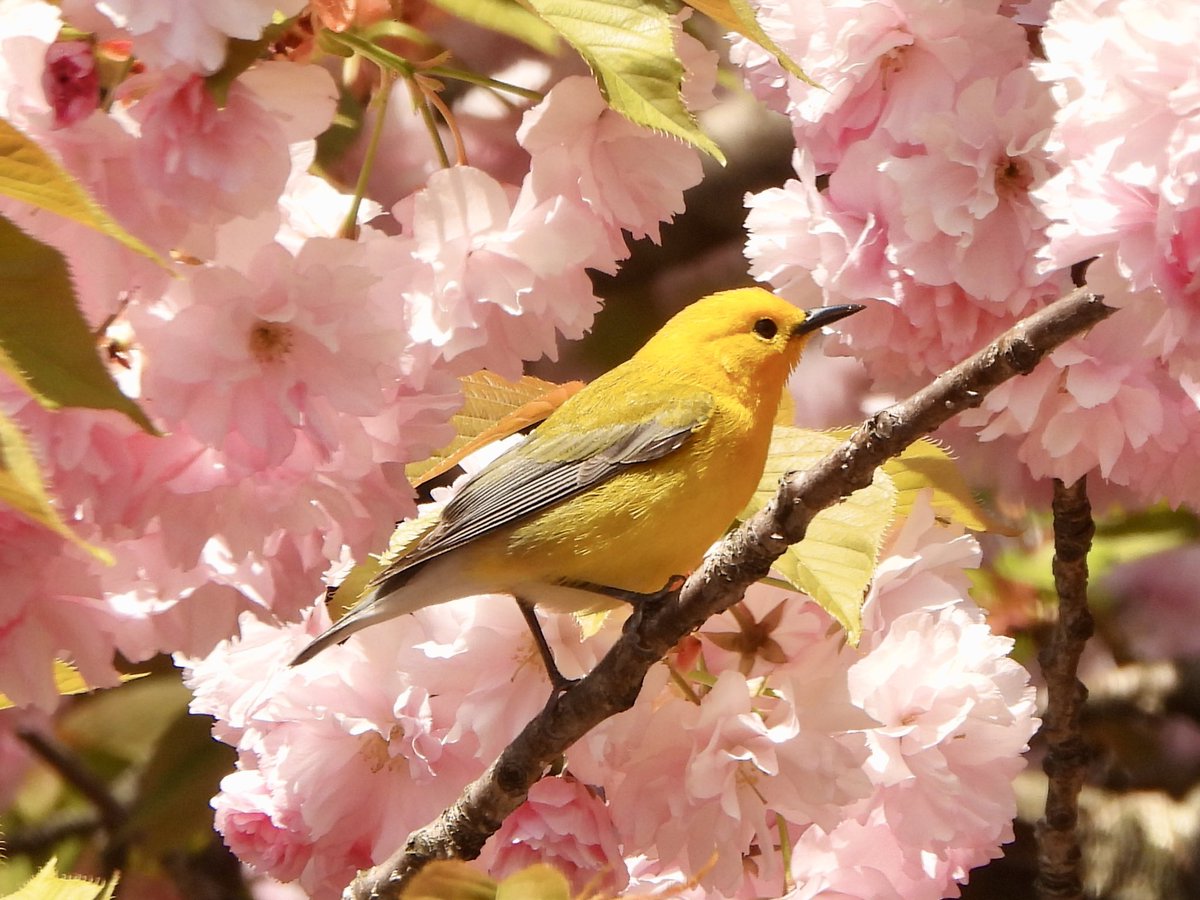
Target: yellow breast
{"x": 643, "y": 526}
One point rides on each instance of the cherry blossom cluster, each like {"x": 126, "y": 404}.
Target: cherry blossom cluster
{"x": 304, "y": 346}
{"x": 956, "y": 168}
{"x": 293, "y": 369}
{"x": 885, "y": 768}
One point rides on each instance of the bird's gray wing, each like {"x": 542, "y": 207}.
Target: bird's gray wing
{"x": 552, "y": 465}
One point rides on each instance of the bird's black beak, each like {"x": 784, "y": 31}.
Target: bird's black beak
{"x": 816, "y": 319}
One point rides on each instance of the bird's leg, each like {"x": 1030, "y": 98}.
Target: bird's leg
{"x": 558, "y": 682}
{"x": 633, "y": 598}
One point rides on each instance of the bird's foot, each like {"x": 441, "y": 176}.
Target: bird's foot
{"x": 559, "y": 683}
{"x": 646, "y": 603}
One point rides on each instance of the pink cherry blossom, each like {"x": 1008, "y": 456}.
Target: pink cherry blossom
{"x": 487, "y": 282}
{"x": 193, "y": 33}
{"x": 250, "y": 822}
{"x": 71, "y": 82}
{"x": 351, "y": 779}
{"x": 915, "y": 168}
{"x": 252, "y": 362}
{"x": 694, "y": 780}
{"x": 28, "y": 29}
{"x": 1106, "y": 402}
{"x": 881, "y": 65}
{"x": 954, "y": 717}
{"x": 213, "y": 162}
{"x": 924, "y": 566}
{"x": 799, "y": 235}
{"x": 50, "y": 610}
{"x": 964, "y": 215}
{"x": 566, "y": 825}
{"x": 629, "y": 177}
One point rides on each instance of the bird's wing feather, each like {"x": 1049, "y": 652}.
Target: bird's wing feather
{"x": 553, "y": 465}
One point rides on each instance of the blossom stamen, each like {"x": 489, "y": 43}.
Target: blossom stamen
{"x": 270, "y": 342}
{"x": 1014, "y": 176}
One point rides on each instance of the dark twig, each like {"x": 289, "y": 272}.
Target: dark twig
{"x": 742, "y": 559}
{"x": 112, "y": 814}
{"x": 1067, "y": 755}
{"x": 42, "y": 838}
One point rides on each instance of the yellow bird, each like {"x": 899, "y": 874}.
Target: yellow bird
{"x": 623, "y": 487}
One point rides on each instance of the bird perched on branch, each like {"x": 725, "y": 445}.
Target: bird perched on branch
{"x": 623, "y": 487}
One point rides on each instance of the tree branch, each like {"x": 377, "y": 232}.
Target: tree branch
{"x": 743, "y": 558}
{"x": 1067, "y": 755}
{"x": 112, "y": 815}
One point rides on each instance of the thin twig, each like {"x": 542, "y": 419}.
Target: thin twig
{"x": 42, "y": 838}
{"x": 113, "y": 815}
{"x": 1067, "y": 755}
{"x": 379, "y": 104}
{"x": 743, "y": 558}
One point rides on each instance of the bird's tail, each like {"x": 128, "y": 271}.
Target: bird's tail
{"x": 366, "y": 612}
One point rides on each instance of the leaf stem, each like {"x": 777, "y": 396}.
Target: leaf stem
{"x": 431, "y": 95}
{"x": 379, "y": 104}
{"x": 484, "y": 81}
{"x": 683, "y": 684}
{"x": 422, "y": 102}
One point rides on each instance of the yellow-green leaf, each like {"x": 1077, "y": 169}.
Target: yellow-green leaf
{"x": 125, "y": 724}
{"x": 47, "y": 884}
{"x": 590, "y": 623}
{"x": 537, "y": 882}
{"x": 926, "y": 465}
{"x": 44, "y": 336}
{"x": 738, "y": 16}
{"x": 506, "y": 17}
{"x": 67, "y": 680}
{"x": 449, "y": 879}
{"x": 835, "y": 562}
{"x": 630, "y": 47}
{"x": 23, "y": 489}
{"x": 493, "y": 408}
{"x": 170, "y": 809}
{"x": 240, "y": 55}
{"x": 28, "y": 173}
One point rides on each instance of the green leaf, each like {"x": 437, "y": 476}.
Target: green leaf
{"x": 629, "y": 46}
{"x": 44, "y": 340}
{"x": 925, "y": 465}
{"x": 493, "y": 408}
{"x": 240, "y": 55}
{"x": 67, "y": 680}
{"x": 47, "y": 884}
{"x": 125, "y": 723}
{"x": 23, "y": 488}
{"x": 1119, "y": 539}
{"x": 28, "y": 173}
{"x": 738, "y": 16}
{"x": 506, "y": 17}
{"x": 170, "y": 809}
{"x": 835, "y": 562}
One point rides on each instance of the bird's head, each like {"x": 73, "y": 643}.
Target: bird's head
{"x": 751, "y": 335}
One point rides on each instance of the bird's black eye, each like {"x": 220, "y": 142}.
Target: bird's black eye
{"x": 766, "y": 328}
